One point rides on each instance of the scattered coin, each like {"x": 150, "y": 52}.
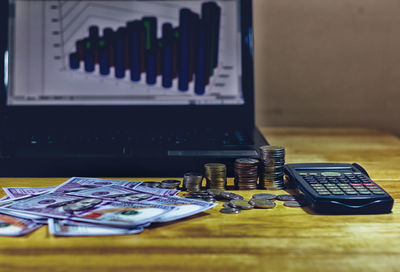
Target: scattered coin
{"x": 241, "y": 204}
{"x": 231, "y": 196}
{"x": 262, "y": 204}
{"x": 264, "y": 196}
{"x": 170, "y": 184}
{"x": 286, "y": 198}
{"x": 215, "y": 192}
{"x": 292, "y": 204}
{"x": 229, "y": 210}
{"x": 203, "y": 198}
{"x": 199, "y": 193}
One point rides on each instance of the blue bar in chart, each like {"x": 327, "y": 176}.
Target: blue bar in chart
{"x": 187, "y": 52}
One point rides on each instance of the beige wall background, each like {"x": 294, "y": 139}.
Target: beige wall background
{"x": 328, "y": 63}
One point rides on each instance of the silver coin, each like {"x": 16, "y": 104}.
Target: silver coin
{"x": 200, "y": 194}
{"x": 264, "y": 196}
{"x": 246, "y": 161}
{"x": 230, "y": 210}
{"x": 231, "y": 196}
{"x": 262, "y": 204}
{"x": 214, "y": 192}
{"x": 292, "y": 204}
{"x": 286, "y": 198}
{"x": 241, "y": 204}
{"x": 171, "y": 181}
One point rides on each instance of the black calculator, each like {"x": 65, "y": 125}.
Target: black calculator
{"x": 338, "y": 188}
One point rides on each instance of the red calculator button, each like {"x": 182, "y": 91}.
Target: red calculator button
{"x": 355, "y": 184}
{"x": 369, "y": 184}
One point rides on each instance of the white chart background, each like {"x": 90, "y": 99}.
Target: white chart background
{"x": 48, "y": 30}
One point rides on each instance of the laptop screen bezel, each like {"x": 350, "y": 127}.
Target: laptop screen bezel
{"x": 133, "y": 115}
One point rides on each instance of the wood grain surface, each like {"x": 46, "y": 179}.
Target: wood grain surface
{"x": 280, "y": 239}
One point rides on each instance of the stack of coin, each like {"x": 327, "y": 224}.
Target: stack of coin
{"x": 192, "y": 182}
{"x": 273, "y": 162}
{"x": 170, "y": 184}
{"x": 215, "y": 174}
{"x": 246, "y": 173}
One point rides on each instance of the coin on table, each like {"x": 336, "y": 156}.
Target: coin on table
{"x": 229, "y": 210}
{"x": 209, "y": 199}
{"x": 241, "y": 204}
{"x": 231, "y": 196}
{"x": 264, "y": 196}
{"x": 214, "y": 192}
{"x": 262, "y": 204}
{"x": 292, "y": 203}
{"x": 285, "y": 198}
{"x": 199, "y": 193}
{"x": 170, "y": 184}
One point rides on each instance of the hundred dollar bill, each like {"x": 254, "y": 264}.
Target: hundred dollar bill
{"x": 156, "y": 191}
{"x": 90, "y": 210}
{"x": 76, "y": 184}
{"x": 16, "y": 192}
{"x": 4, "y": 198}
{"x": 183, "y": 207}
{"x": 69, "y": 228}
{"x": 14, "y": 226}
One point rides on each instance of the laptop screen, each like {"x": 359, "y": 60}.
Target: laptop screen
{"x": 124, "y": 53}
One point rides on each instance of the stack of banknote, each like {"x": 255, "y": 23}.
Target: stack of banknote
{"x": 92, "y": 206}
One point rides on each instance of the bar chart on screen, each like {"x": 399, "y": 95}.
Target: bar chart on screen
{"x": 138, "y": 52}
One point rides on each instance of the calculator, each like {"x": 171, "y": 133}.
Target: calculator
{"x": 338, "y": 188}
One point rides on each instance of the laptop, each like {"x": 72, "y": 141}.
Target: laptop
{"x": 125, "y": 88}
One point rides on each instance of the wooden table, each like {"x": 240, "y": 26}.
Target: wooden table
{"x": 280, "y": 239}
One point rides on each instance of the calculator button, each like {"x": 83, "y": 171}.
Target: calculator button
{"x": 330, "y": 174}
{"x": 324, "y": 193}
{"x": 303, "y": 174}
{"x": 364, "y": 192}
{"x": 331, "y": 187}
{"x": 369, "y": 184}
{"x": 355, "y": 184}
{"x": 350, "y": 192}
{"x": 338, "y": 193}
{"x": 378, "y": 192}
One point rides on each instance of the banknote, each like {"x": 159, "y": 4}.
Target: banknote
{"x": 69, "y": 228}
{"x": 104, "y": 192}
{"x": 91, "y": 210}
{"x": 76, "y": 184}
{"x": 183, "y": 207}
{"x": 14, "y": 226}
{"x": 155, "y": 191}
{"x": 16, "y": 192}
{"x": 4, "y": 198}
